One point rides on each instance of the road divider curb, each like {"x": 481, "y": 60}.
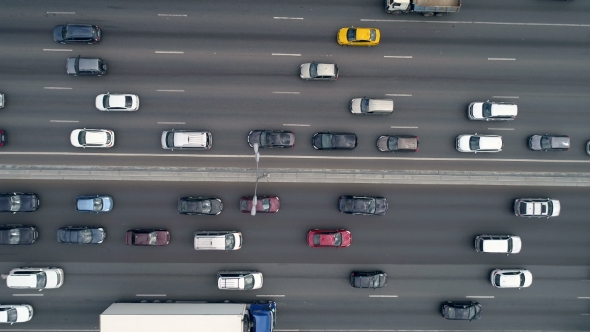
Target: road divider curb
{"x": 196, "y": 174}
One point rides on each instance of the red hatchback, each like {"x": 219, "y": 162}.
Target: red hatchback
{"x": 148, "y": 237}
{"x": 264, "y": 204}
{"x": 329, "y": 238}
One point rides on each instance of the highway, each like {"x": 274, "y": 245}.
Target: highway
{"x": 233, "y": 67}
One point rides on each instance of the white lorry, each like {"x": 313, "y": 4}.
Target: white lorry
{"x": 189, "y": 317}
{"x": 424, "y": 7}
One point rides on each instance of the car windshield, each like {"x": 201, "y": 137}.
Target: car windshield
{"x": 105, "y": 101}
{"x": 14, "y": 236}
{"x": 392, "y": 143}
{"x": 15, "y": 203}
{"x": 249, "y": 282}
{"x": 230, "y": 241}
{"x": 263, "y": 136}
{"x": 373, "y": 34}
{"x": 313, "y": 70}
{"x": 510, "y": 245}
{"x": 11, "y": 315}
{"x": 265, "y": 204}
{"x": 108, "y": 138}
{"x": 153, "y": 238}
{"x": 41, "y": 279}
{"x": 486, "y": 110}
{"x": 244, "y": 206}
{"x": 549, "y": 208}
{"x": 206, "y": 206}
{"x": 82, "y": 137}
{"x": 374, "y": 281}
{"x": 351, "y": 34}
{"x": 522, "y": 279}
{"x": 471, "y": 311}
{"x": 128, "y": 101}
{"x": 364, "y": 105}
{"x": 545, "y": 142}
{"x": 497, "y": 279}
{"x": 97, "y": 204}
{"x": 170, "y": 139}
{"x": 326, "y": 141}
{"x": 337, "y": 239}
{"x": 474, "y": 143}
{"x": 85, "y": 236}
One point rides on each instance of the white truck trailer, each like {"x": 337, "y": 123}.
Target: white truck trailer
{"x": 424, "y": 7}
{"x": 189, "y": 317}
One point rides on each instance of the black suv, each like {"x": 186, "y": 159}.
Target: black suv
{"x": 368, "y": 279}
{"x": 18, "y": 234}
{"x": 461, "y": 310}
{"x": 86, "y": 66}
{"x": 76, "y": 33}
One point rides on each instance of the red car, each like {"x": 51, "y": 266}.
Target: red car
{"x": 264, "y": 204}
{"x": 148, "y": 237}
{"x": 329, "y": 238}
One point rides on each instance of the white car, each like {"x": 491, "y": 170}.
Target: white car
{"x": 511, "y": 278}
{"x": 498, "y": 244}
{"x": 319, "y": 71}
{"x": 35, "y": 278}
{"x": 92, "y": 138}
{"x": 15, "y": 313}
{"x": 479, "y": 143}
{"x": 117, "y": 102}
{"x": 239, "y": 280}
{"x": 492, "y": 111}
{"x": 537, "y": 207}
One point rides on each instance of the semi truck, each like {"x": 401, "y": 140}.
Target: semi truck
{"x": 184, "y": 316}
{"x": 424, "y": 7}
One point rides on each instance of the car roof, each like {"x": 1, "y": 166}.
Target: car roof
{"x": 504, "y": 110}
{"x": 490, "y": 142}
{"x": 190, "y": 139}
{"x": 117, "y": 100}
{"x": 96, "y": 137}
{"x": 560, "y": 142}
{"x": 326, "y": 69}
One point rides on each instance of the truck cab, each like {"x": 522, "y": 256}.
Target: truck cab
{"x": 264, "y": 316}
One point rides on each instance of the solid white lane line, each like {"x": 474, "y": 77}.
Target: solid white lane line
{"x": 57, "y": 88}
{"x": 295, "y": 125}
{"x": 56, "y": 50}
{"x": 270, "y": 295}
{"x": 170, "y": 90}
{"x": 172, "y": 123}
{"x": 398, "y": 95}
{"x": 403, "y": 127}
{"x": 398, "y": 56}
{"x": 500, "y": 128}
{"x": 65, "y": 121}
{"x": 33, "y": 294}
{"x": 475, "y": 22}
{"x": 287, "y": 54}
{"x": 247, "y": 156}
{"x": 65, "y": 13}
{"x": 479, "y": 297}
{"x": 382, "y": 295}
{"x": 506, "y": 97}
{"x": 502, "y": 59}
{"x": 169, "y": 52}
{"x": 287, "y": 92}
{"x": 173, "y": 15}
{"x": 287, "y": 18}
{"x": 160, "y": 295}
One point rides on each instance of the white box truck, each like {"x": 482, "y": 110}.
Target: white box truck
{"x": 424, "y": 7}
{"x": 189, "y": 317}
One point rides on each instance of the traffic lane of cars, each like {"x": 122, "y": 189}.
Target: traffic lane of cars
{"x": 455, "y": 215}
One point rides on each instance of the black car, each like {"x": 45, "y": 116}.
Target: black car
{"x": 368, "y": 206}
{"x": 81, "y": 235}
{"x": 18, "y": 202}
{"x": 549, "y": 142}
{"x": 2, "y": 138}
{"x": 398, "y": 143}
{"x": 334, "y": 141}
{"x": 18, "y": 234}
{"x": 76, "y": 33}
{"x": 461, "y": 310}
{"x": 368, "y": 279}
{"x": 200, "y": 205}
{"x": 271, "y": 138}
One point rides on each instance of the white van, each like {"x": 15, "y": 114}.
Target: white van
{"x": 371, "y": 106}
{"x": 218, "y": 240}
{"x": 186, "y": 139}
{"x": 498, "y": 244}
{"x": 492, "y": 111}
{"x": 239, "y": 280}
{"x": 35, "y": 278}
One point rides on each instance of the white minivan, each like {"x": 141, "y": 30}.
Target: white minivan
{"x": 239, "y": 280}
{"x": 498, "y": 244}
{"x": 218, "y": 240}
{"x": 35, "y": 278}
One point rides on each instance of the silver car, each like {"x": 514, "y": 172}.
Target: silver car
{"x": 318, "y": 71}
{"x": 96, "y": 203}
{"x": 239, "y": 280}
{"x": 537, "y": 207}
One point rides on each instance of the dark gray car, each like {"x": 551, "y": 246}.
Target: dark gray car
{"x": 462, "y": 310}
{"x": 79, "y": 66}
{"x": 549, "y": 142}
{"x": 334, "y": 141}
{"x": 200, "y": 205}
{"x": 76, "y": 33}
{"x": 397, "y": 143}
{"x": 81, "y": 235}
{"x": 271, "y": 138}
{"x": 369, "y": 206}
{"x": 18, "y": 234}
{"x": 18, "y": 202}
{"x": 368, "y": 279}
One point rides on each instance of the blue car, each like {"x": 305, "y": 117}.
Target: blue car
{"x": 96, "y": 203}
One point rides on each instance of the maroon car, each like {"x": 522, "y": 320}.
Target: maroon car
{"x": 264, "y": 204}
{"x": 147, "y": 237}
{"x": 329, "y": 238}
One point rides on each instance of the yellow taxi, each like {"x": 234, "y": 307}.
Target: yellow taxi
{"x": 358, "y": 36}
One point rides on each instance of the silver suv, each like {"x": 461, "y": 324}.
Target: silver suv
{"x": 537, "y": 207}
{"x": 239, "y": 280}
{"x": 35, "y": 278}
